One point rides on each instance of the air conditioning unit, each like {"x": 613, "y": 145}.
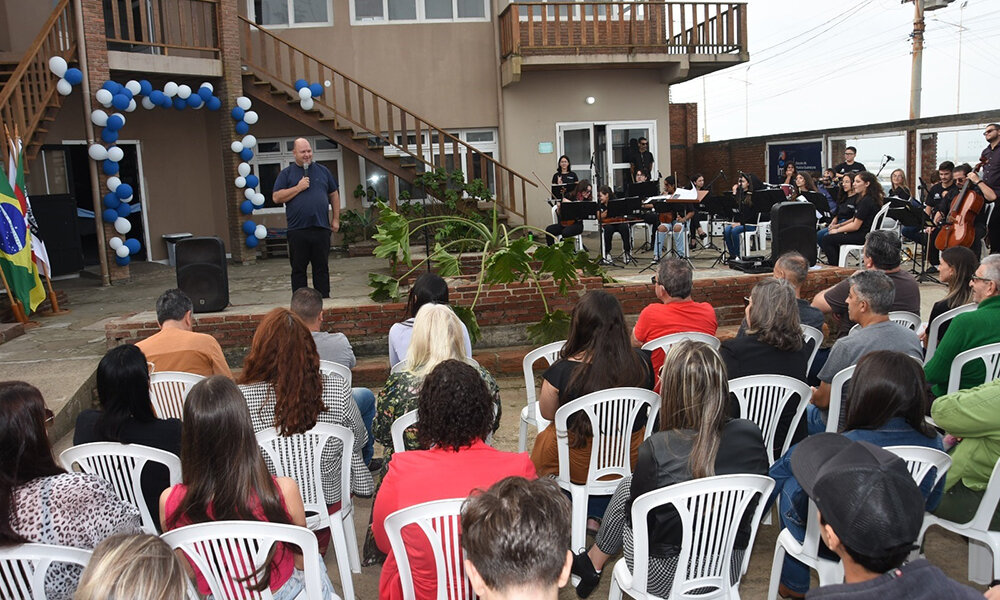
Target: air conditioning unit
{"x": 930, "y": 5}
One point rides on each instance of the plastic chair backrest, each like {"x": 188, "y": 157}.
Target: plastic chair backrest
{"x": 920, "y": 460}
{"x": 328, "y": 366}
{"x": 440, "y": 522}
{"x": 762, "y": 399}
{"x": 989, "y": 354}
{"x": 880, "y": 217}
{"x": 121, "y": 465}
{"x": 226, "y": 552}
{"x": 905, "y": 318}
{"x": 664, "y": 342}
{"x": 167, "y": 391}
{"x": 710, "y": 510}
{"x": 550, "y": 352}
{"x": 934, "y": 328}
{"x": 399, "y": 427}
{"x": 399, "y": 367}
{"x": 837, "y": 411}
{"x": 811, "y": 334}
{"x": 989, "y": 504}
{"x": 23, "y": 567}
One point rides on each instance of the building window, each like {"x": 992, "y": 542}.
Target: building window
{"x": 366, "y": 12}
{"x": 273, "y": 155}
{"x": 292, "y": 13}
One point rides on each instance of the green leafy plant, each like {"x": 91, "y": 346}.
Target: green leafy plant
{"x": 358, "y": 225}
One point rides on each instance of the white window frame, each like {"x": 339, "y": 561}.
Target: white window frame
{"x": 284, "y": 157}
{"x": 640, "y": 13}
{"x": 252, "y": 16}
{"x": 421, "y": 18}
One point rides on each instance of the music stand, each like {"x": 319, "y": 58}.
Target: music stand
{"x": 643, "y": 190}
{"x": 910, "y": 215}
{"x": 819, "y": 201}
{"x": 724, "y": 207}
{"x": 578, "y": 211}
{"x": 621, "y": 208}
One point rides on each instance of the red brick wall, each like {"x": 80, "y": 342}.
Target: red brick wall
{"x": 928, "y": 157}
{"x": 730, "y": 156}
{"x": 683, "y": 137}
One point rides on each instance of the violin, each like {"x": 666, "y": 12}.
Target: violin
{"x": 959, "y": 228}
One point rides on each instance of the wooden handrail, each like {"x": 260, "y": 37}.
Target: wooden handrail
{"x": 367, "y": 112}
{"x": 26, "y": 95}
{"x": 183, "y": 27}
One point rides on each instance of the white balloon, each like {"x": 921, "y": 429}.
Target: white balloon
{"x": 122, "y": 225}
{"x": 122, "y": 251}
{"x": 99, "y": 118}
{"x": 122, "y": 117}
{"x": 260, "y": 232}
{"x": 243, "y": 169}
{"x": 57, "y": 65}
{"x": 116, "y": 243}
{"x": 170, "y": 89}
{"x": 250, "y": 117}
{"x": 115, "y": 154}
{"x": 258, "y": 199}
{"x": 97, "y": 152}
{"x": 104, "y": 97}
{"x": 236, "y": 147}
{"x": 241, "y": 182}
{"x": 133, "y": 86}
{"x": 207, "y": 84}
{"x": 249, "y": 141}
{"x": 113, "y": 183}
{"x": 63, "y": 87}
{"x": 307, "y": 104}
{"x": 183, "y": 91}
{"x": 148, "y": 104}
{"x": 243, "y": 102}
{"x": 305, "y": 93}
{"x": 249, "y": 193}
{"x": 131, "y": 105}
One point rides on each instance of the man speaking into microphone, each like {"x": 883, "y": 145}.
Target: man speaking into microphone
{"x": 306, "y": 190}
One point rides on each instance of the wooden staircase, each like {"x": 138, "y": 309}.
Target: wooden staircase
{"x": 28, "y": 97}
{"x": 363, "y": 120}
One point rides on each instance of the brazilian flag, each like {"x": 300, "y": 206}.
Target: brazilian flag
{"x": 15, "y": 251}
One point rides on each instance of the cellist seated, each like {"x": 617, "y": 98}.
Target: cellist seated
{"x": 967, "y": 206}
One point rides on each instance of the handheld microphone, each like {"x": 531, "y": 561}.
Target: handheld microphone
{"x": 305, "y": 169}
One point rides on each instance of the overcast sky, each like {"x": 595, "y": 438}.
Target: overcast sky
{"x": 830, "y": 63}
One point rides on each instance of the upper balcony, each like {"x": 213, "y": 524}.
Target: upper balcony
{"x": 164, "y": 36}
{"x": 683, "y": 39}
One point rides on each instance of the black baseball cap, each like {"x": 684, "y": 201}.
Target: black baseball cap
{"x": 864, "y": 492}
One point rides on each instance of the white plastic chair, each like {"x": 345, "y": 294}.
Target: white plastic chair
{"x": 23, "y": 568}
{"x": 121, "y": 465}
{"x": 300, "y": 457}
{"x": 399, "y": 427}
{"x": 530, "y": 414}
{"x": 981, "y": 539}
{"x": 847, "y": 249}
{"x": 762, "y": 399}
{"x": 612, "y": 414}
{"x": 227, "y": 551}
{"x": 399, "y": 367}
{"x": 440, "y": 522}
{"x": 921, "y": 459}
{"x": 757, "y": 237}
{"x": 578, "y": 239}
{"x": 167, "y": 391}
{"x": 811, "y": 334}
{"x": 835, "y": 410}
{"x": 710, "y": 511}
{"x": 328, "y": 366}
{"x": 989, "y": 354}
{"x": 934, "y": 329}
{"x": 905, "y": 318}
{"x": 806, "y": 552}
{"x": 664, "y": 342}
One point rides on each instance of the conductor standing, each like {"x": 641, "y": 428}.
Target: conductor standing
{"x": 306, "y": 189}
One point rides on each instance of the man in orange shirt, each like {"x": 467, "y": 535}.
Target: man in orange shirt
{"x": 176, "y": 347}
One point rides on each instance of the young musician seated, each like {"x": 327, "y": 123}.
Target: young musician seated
{"x": 611, "y": 225}
{"x": 672, "y": 221}
{"x": 569, "y": 227}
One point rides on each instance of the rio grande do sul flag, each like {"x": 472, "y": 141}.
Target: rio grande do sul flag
{"x": 15, "y": 251}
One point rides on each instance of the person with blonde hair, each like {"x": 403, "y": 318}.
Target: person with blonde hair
{"x": 132, "y": 567}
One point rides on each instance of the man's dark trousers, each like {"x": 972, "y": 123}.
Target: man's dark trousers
{"x": 310, "y": 245}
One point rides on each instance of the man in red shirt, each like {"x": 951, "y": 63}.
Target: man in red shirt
{"x": 675, "y": 312}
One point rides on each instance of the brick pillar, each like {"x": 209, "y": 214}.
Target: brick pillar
{"x": 928, "y": 162}
{"x": 229, "y": 87}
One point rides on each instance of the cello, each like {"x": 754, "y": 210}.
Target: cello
{"x": 959, "y": 228}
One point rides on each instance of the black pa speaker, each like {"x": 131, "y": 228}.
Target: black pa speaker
{"x": 793, "y": 227}
{"x": 202, "y": 273}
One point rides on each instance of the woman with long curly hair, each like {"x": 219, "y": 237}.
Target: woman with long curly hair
{"x": 454, "y": 416}
{"x": 870, "y": 197}
{"x": 285, "y": 390}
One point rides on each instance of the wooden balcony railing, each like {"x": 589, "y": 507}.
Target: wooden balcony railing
{"x": 168, "y": 27}
{"x": 27, "y": 95}
{"x": 533, "y": 28}
{"x": 368, "y": 113}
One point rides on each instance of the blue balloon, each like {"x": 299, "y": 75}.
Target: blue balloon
{"x": 133, "y": 245}
{"x": 126, "y": 92}
{"x": 237, "y": 113}
{"x": 194, "y": 101}
{"x": 213, "y": 103}
{"x": 166, "y": 102}
{"x": 122, "y": 261}
{"x": 110, "y": 168}
{"x": 246, "y": 154}
{"x": 115, "y": 123}
{"x": 300, "y": 83}
{"x": 316, "y": 89}
{"x": 112, "y": 86}
{"x": 204, "y": 93}
{"x": 109, "y": 215}
{"x": 156, "y": 97}
{"x": 73, "y": 75}
{"x": 252, "y": 181}
{"x": 124, "y": 210}
{"x": 252, "y": 241}
{"x": 242, "y": 128}
{"x": 120, "y": 101}
{"x": 246, "y": 207}
{"x": 109, "y": 136}
{"x": 145, "y": 88}
{"x": 112, "y": 201}
{"x": 180, "y": 103}
{"x": 249, "y": 227}
{"x": 123, "y": 191}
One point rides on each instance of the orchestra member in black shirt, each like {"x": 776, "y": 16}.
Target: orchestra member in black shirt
{"x": 845, "y": 207}
{"x": 697, "y": 184}
{"x": 938, "y": 205}
{"x": 569, "y": 228}
{"x": 854, "y": 230}
{"x": 962, "y": 172}
{"x": 897, "y": 185}
{"x": 849, "y": 165}
{"x": 991, "y": 176}
{"x": 642, "y": 160}
{"x": 611, "y": 225}
{"x": 564, "y": 180}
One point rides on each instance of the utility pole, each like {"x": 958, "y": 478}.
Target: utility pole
{"x": 917, "y": 66}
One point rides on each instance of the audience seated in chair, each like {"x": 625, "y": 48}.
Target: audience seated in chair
{"x": 176, "y": 347}
{"x": 794, "y": 268}
{"x": 126, "y": 567}
{"x": 429, "y": 288}
{"x": 887, "y": 403}
{"x": 970, "y": 330}
{"x": 696, "y": 439}
{"x": 127, "y": 416}
{"x": 43, "y": 503}
{"x": 455, "y": 414}
{"x": 870, "y": 513}
{"x": 958, "y": 266}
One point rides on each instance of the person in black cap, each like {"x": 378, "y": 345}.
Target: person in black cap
{"x": 870, "y": 513}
